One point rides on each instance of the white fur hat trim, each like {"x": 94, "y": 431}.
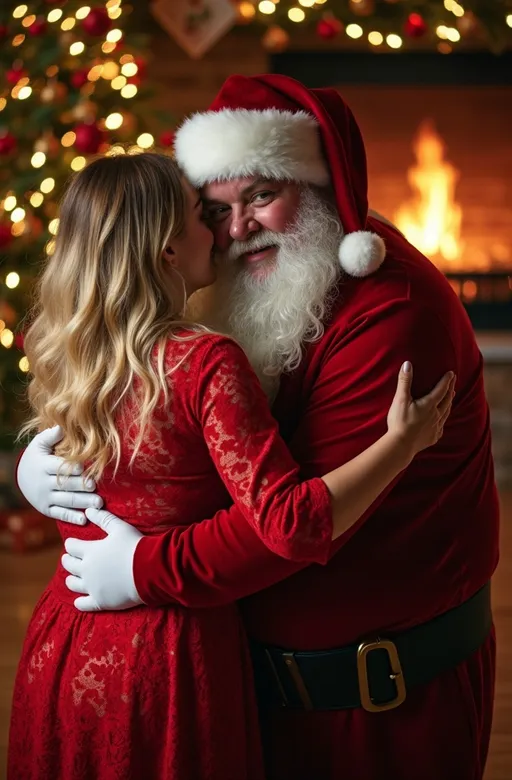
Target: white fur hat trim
{"x": 361, "y": 253}
{"x": 227, "y": 144}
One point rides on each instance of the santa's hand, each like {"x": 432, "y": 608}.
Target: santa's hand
{"x": 43, "y": 479}
{"x": 103, "y": 569}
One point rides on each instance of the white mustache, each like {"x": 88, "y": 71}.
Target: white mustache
{"x": 260, "y": 241}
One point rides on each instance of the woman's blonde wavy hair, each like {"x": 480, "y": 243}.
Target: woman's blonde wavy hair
{"x": 103, "y": 303}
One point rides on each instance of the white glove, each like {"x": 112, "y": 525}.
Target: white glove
{"x": 55, "y": 496}
{"x": 103, "y": 569}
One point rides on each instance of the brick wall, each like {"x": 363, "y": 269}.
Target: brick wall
{"x": 183, "y": 85}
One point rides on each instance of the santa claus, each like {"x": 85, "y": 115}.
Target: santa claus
{"x": 381, "y": 663}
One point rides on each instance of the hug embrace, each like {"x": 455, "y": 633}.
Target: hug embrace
{"x": 279, "y": 404}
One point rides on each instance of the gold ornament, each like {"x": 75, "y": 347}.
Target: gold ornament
{"x": 362, "y": 7}
{"x": 275, "y": 39}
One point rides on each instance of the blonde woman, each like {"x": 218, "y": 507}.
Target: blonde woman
{"x": 171, "y": 421}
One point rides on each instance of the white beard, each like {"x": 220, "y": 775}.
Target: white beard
{"x": 272, "y": 316}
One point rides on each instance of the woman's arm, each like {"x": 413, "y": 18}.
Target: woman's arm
{"x": 299, "y": 520}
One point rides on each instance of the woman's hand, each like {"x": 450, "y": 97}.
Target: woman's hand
{"x": 419, "y": 424}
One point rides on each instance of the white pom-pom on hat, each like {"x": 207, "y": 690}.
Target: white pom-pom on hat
{"x": 361, "y": 253}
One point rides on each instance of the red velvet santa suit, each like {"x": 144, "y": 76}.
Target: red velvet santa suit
{"x": 426, "y": 546}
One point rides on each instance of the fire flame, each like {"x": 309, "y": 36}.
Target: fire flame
{"x": 431, "y": 220}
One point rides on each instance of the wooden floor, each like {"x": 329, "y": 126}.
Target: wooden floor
{"x": 22, "y": 579}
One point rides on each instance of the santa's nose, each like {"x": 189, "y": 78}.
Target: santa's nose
{"x": 242, "y": 227}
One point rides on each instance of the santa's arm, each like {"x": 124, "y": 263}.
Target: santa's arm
{"x": 220, "y": 560}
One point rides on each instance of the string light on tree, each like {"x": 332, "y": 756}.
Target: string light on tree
{"x": 7, "y": 338}
{"x": 145, "y": 141}
{"x": 55, "y": 15}
{"x": 375, "y": 38}
{"x": 266, "y": 7}
{"x": 354, "y": 31}
{"x": 38, "y": 159}
{"x": 296, "y": 15}
{"x": 394, "y": 41}
{"x": 77, "y": 163}
{"x": 36, "y": 199}
{"x": 12, "y": 280}
{"x": 18, "y": 214}
{"x": 47, "y": 185}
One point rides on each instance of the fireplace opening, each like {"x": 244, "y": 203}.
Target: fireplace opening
{"x": 437, "y": 136}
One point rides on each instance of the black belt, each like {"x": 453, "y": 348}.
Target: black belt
{"x": 373, "y": 674}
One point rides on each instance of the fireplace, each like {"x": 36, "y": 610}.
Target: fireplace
{"x": 437, "y": 134}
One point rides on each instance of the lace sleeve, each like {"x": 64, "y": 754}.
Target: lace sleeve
{"x": 293, "y": 519}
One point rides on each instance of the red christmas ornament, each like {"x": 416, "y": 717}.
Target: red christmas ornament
{"x": 38, "y": 27}
{"x": 19, "y": 340}
{"x": 4, "y": 31}
{"x": 79, "y": 78}
{"x": 97, "y": 22}
{"x": 88, "y": 138}
{"x": 328, "y": 28}
{"x": 15, "y": 74}
{"x": 415, "y": 26}
{"x": 8, "y": 144}
{"x": 134, "y": 80}
{"x": 5, "y": 235}
{"x": 167, "y": 138}
{"x": 141, "y": 67}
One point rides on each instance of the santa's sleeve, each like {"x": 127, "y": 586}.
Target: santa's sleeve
{"x": 221, "y": 559}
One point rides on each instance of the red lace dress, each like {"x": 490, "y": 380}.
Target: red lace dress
{"x": 166, "y": 693}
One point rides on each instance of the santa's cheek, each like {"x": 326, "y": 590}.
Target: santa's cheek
{"x": 278, "y": 217}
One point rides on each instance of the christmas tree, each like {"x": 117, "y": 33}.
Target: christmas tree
{"x": 71, "y": 86}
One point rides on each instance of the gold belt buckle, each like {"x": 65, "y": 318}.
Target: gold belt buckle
{"x": 364, "y": 649}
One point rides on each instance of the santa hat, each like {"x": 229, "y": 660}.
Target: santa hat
{"x": 275, "y": 127}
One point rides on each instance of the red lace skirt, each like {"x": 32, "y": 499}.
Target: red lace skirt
{"x": 153, "y": 693}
